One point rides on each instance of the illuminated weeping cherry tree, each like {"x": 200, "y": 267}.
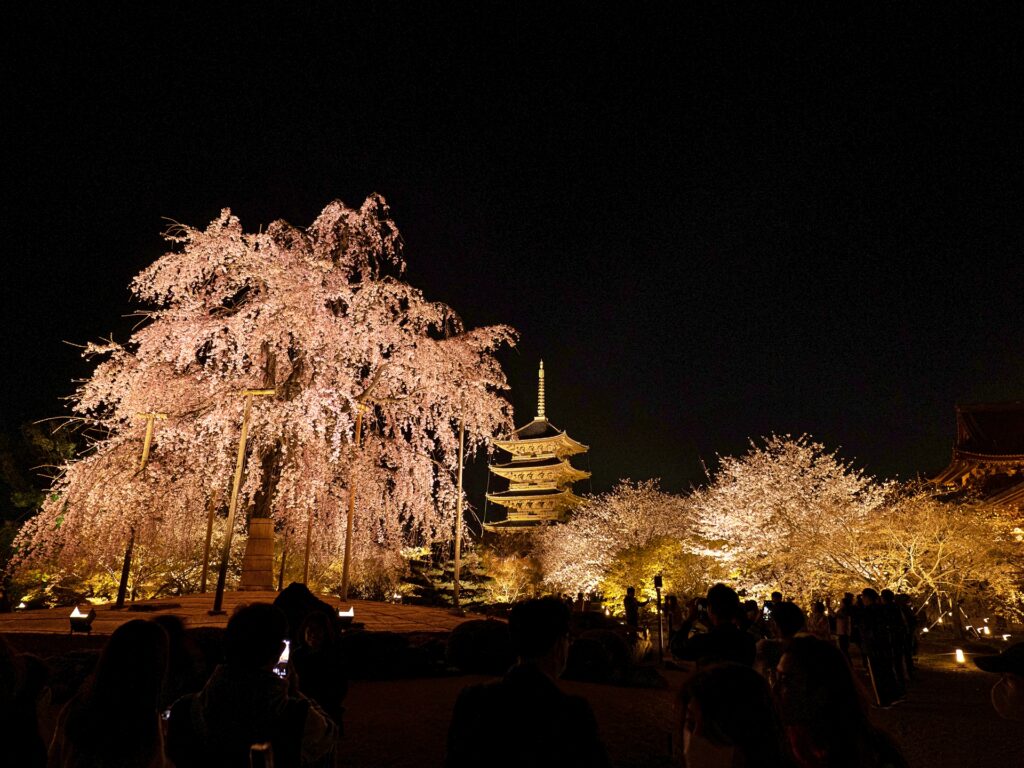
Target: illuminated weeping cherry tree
{"x": 319, "y": 316}
{"x": 624, "y": 538}
{"x": 788, "y": 514}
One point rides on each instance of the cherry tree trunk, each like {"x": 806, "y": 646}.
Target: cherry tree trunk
{"x": 258, "y": 561}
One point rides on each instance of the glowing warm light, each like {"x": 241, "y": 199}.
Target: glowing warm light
{"x": 285, "y": 653}
{"x": 1005, "y": 638}
{"x": 986, "y": 630}
{"x": 925, "y": 630}
{"x": 22, "y": 605}
{"x": 77, "y": 614}
{"x": 349, "y": 614}
{"x": 939, "y": 621}
{"x": 960, "y": 658}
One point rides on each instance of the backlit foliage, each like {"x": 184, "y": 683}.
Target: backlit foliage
{"x": 321, "y": 315}
{"x": 618, "y": 539}
{"x": 786, "y": 514}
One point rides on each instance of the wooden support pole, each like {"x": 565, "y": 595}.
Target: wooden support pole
{"x": 309, "y": 542}
{"x": 211, "y": 508}
{"x": 346, "y": 563}
{"x": 284, "y": 560}
{"x": 458, "y": 522}
{"x": 225, "y": 552}
{"x": 126, "y": 567}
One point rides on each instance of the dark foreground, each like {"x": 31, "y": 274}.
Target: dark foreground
{"x": 947, "y": 720}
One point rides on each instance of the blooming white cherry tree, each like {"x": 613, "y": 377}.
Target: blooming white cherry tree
{"x": 959, "y": 554}
{"x": 321, "y": 316}
{"x": 787, "y": 513}
{"x": 636, "y": 530}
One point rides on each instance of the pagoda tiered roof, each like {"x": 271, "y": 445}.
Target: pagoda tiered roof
{"x": 558, "y": 445}
{"x": 535, "y": 500}
{"x": 540, "y": 476}
{"x": 552, "y": 472}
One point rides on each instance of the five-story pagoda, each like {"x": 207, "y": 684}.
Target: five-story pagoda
{"x": 540, "y": 476}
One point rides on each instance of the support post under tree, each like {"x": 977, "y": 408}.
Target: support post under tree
{"x": 661, "y": 626}
{"x": 284, "y": 560}
{"x": 309, "y": 542}
{"x": 211, "y": 508}
{"x": 458, "y": 523}
{"x": 126, "y": 567}
{"x": 225, "y": 553}
{"x": 346, "y": 563}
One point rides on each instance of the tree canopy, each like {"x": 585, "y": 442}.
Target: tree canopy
{"x": 321, "y": 316}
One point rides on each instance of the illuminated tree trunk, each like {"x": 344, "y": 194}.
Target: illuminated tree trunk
{"x": 147, "y": 443}
{"x": 347, "y": 562}
{"x": 210, "y": 511}
{"x": 458, "y": 521}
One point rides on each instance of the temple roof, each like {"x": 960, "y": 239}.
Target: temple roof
{"x": 990, "y": 430}
{"x": 539, "y": 476}
{"x": 559, "y": 445}
{"x": 546, "y": 470}
{"x": 538, "y": 428}
{"x": 535, "y": 499}
{"x": 1011, "y": 497}
{"x": 988, "y": 455}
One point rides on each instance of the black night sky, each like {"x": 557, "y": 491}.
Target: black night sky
{"x": 711, "y": 227}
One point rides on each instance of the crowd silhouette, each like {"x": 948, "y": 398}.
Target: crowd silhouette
{"x": 767, "y": 685}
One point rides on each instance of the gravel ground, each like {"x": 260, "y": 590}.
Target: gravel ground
{"x": 946, "y": 721}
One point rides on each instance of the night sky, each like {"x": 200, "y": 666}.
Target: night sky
{"x": 711, "y": 227}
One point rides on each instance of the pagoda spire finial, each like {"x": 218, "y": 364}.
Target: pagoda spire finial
{"x": 540, "y": 393}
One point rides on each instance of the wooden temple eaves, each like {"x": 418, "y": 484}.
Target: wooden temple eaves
{"x": 559, "y": 445}
{"x": 554, "y": 474}
{"x": 539, "y": 475}
{"x": 988, "y": 456}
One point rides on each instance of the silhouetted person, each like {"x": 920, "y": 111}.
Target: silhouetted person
{"x": 724, "y": 640}
{"x": 547, "y": 726}
{"x": 910, "y": 640}
{"x": 1008, "y": 692}
{"x": 785, "y": 621}
{"x": 898, "y": 636}
{"x": 316, "y": 657}
{"x": 750, "y": 618}
{"x": 185, "y": 667}
{"x": 23, "y": 680}
{"x": 877, "y": 645}
{"x": 674, "y": 611}
{"x": 817, "y": 622}
{"x": 729, "y": 720}
{"x": 245, "y": 702}
{"x": 825, "y": 713}
{"x": 844, "y": 624}
{"x": 114, "y": 719}
{"x": 632, "y": 608}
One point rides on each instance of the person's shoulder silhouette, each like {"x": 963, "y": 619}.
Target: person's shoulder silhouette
{"x": 538, "y": 724}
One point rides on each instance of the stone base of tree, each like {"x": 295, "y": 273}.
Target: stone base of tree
{"x": 258, "y": 561}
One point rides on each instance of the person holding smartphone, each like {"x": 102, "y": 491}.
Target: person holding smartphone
{"x": 247, "y": 701}
{"x": 724, "y": 640}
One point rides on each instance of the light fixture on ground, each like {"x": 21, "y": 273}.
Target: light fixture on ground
{"x": 82, "y": 622}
